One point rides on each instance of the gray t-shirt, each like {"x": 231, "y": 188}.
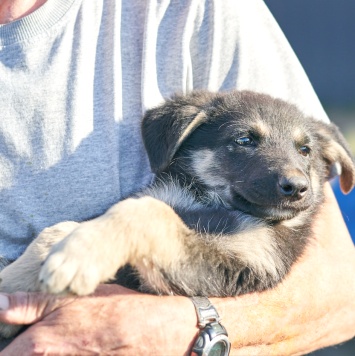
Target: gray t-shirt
{"x": 77, "y": 75}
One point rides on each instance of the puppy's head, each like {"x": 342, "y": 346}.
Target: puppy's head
{"x": 255, "y": 153}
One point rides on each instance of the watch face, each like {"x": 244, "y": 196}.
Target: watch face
{"x": 219, "y": 344}
{"x": 212, "y": 341}
{"x": 220, "y": 348}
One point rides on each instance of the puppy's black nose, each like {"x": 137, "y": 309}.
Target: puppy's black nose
{"x": 293, "y": 187}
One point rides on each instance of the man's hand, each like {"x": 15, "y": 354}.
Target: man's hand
{"x": 314, "y": 307}
{"x": 115, "y": 320}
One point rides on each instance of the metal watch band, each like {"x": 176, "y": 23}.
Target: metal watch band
{"x": 212, "y": 339}
{"x": 206, "y": 312}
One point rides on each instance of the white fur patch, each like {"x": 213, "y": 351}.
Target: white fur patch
{"x": 314, "y": 181}
{"x": 206, "y": 169}
{"x": 296, "y": 221}
{"x": 256, "y": 247}
{"x": 298, "y": 134}
{"x": 171, "y": 193}
{"x": 197, "y": 121}
{"x": 261, "y": 127}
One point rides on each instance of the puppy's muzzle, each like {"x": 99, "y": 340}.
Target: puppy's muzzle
{"x": 293, "y": 187}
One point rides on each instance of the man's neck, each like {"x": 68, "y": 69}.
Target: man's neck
{"x": 11, "y": 10}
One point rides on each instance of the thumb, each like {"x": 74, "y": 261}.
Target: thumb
{"x": 27, "y": 308}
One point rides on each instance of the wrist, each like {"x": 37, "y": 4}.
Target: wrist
{"x": 180, "y": 318}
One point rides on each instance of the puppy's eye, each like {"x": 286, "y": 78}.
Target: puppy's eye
{"x": 244, "y": 141}
{"x": 304, "y": 150}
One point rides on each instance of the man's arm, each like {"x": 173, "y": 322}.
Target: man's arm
{"x": 313, "y": 308}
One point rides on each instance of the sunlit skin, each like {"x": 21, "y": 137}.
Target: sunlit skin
{"x": 12, "y": 10}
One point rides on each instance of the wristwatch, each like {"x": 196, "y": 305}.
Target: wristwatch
{"x": 212, "y": 339}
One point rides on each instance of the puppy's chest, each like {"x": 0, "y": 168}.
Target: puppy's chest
{"x": 211, "y": 218}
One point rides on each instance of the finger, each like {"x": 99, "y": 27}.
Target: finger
{"x": 27, "y": 308}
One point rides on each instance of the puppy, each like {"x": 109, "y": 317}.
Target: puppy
{"x": 238, "y": 180}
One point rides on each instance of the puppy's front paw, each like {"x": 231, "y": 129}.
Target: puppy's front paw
{"x": 74, "y": 265}
{"x": 68, "y": 270}
{"x": 63, "y": 273}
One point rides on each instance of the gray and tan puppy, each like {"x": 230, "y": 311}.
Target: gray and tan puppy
{"x": 239, "y": 178}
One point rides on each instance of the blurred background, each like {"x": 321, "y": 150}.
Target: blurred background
{"x": 322, "y": 33}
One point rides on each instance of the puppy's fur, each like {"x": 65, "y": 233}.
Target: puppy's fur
{"x": 239, "y": 178}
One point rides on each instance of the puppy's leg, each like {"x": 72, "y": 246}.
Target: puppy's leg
{"x": 132, "y": 231}
{"x": 170, "y": 257}
{"x": 22, "y": 275}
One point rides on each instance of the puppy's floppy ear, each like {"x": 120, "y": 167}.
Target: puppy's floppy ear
{"x": 166, "y": 127}
{"x": 337, "y": 154}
